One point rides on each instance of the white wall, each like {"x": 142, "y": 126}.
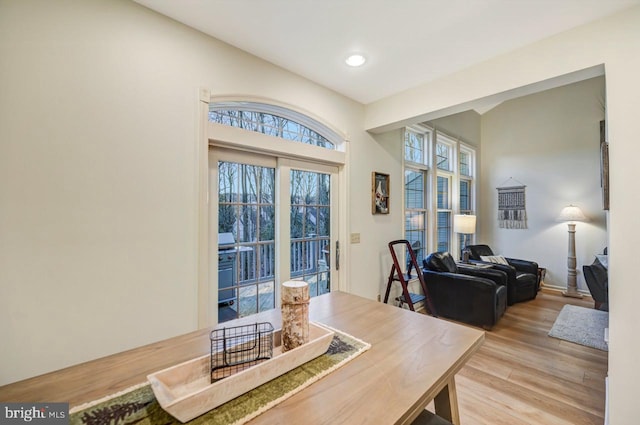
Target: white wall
{"x": 98, "y": 215}
{"x": 549, "y": 141}
{"x": 464, "y": 126}
{"x": 387, "y": 227}
{"x": 614, "y": 42}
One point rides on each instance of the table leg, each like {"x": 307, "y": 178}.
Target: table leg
{"x": 446, "y": 403}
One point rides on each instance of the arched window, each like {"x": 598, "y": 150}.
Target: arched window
{"x": 274, "y": 121}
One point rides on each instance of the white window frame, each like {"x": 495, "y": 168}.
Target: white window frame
{"x": 236, "y": 138}
{"x": 471, "y": 179}
{"x": 420, "y": 167}
{"x": 449, "y": 177}
{"x": 450, "y": 173}
{"x": 426, "y": 137}
{"x": 454, "y": 147}
{"x": 451, "y": 145}
{"x": 422, "y": 211}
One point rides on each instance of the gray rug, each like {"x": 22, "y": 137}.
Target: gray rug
{"x": 584, "y": 326}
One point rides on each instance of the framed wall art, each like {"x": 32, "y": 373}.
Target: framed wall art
{"x": 379, "y": 193}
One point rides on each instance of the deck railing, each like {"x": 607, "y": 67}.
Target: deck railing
{"x": 308, "y": 256}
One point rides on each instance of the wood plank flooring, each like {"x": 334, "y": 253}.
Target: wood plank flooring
{"x": 521, "y": 376}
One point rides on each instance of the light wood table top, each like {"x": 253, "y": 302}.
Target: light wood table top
{"x": 412, "y": 360}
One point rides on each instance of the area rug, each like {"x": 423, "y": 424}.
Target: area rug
{"x": 138, "y": 404}
{"x": 584, "y": 326}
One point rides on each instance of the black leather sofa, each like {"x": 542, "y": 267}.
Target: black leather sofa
{"x": 523, "y": 282}
{"x": 474, "y": 296}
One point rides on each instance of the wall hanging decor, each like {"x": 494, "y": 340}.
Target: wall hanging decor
{"x": 512, "y": 212}
{"x": 379, "y": 193}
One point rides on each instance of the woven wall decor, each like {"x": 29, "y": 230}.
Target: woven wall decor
{"x": 512, "y": 212}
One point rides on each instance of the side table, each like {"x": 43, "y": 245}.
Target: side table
{"x": 542, "y": 272}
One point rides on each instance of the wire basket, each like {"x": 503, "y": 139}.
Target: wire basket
{"x": 239, "y": 347}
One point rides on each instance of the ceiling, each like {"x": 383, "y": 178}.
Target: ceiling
{"x": 406, "y": 42}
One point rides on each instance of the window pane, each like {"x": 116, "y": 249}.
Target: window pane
{"x": 414, "y": 221}
{"x": 246, "y": 209}
{"x": 465, "y": 164}
{"x": 268, "y": 124}
{"x": 304, "y": 188}
{"x": 266, "y": 301}
{"x": 461, "y": 241}
{"x": 267, "y": 217}
{"x": 443, "y": 192}
{"x": 297, "y": 219}
{"x": 414, "y": 147}
{"x": 267, "y": 183}
{"x": 248, "y": 224}
{"x": 227, "y": 181}
{"x": 250, "y": 184}
{"x": 442, "y": 156}
{"x": 415, "y": 224}
{"x": 227, "y": 218}
{"x": 324, "y": 186}
{"x": 324, "y": 221}
{"x": 444, "y": 230}
{"x": 465, "y": 195}
{"x": 414, "y": 189}
{"x": 310, "y": 230}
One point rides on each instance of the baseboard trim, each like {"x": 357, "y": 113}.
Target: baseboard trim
{"x": 558, "y": 290}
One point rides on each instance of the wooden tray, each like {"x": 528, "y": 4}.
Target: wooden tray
{"x": 185, "y": 390}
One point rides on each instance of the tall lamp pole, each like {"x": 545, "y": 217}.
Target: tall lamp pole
{"x": 571, "y": 214}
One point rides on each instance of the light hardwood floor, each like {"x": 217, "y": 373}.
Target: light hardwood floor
{"x": 521, "y": 376}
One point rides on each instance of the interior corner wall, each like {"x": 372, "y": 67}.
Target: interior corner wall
{"x": 464, "y": 126}
{"x": 550, "y": 142}
{"x": 98, "y": 158}
{"x": 384, "y": 227}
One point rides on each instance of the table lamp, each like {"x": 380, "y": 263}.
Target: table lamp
{"x": 466, "y": 225}
{"x": 571, "y": 214}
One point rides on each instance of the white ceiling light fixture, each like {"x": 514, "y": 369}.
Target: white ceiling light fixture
{"x": 355, "y": 60}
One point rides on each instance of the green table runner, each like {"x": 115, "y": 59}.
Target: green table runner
{"x": 138, "y": 405}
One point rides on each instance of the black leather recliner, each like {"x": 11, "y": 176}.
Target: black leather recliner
{"x": 523, "y": 281}
{"x": 474, "y": 296}
{"x": 597, "y": 279}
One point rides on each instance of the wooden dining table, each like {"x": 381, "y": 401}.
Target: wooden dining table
{"x": 413, "y": 360}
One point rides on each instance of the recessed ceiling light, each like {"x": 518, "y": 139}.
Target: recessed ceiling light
{"x": 355, "y": 60}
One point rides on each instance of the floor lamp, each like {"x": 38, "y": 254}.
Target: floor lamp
{"x": 571, "y": 214}
{"x": 466, "y": 225}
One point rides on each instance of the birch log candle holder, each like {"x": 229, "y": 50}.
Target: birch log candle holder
{"x": 295, "y": 314}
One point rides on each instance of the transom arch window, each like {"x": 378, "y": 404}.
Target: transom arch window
{"x": 274, "y": 120}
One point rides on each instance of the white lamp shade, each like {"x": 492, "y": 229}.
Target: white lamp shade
{"x": 464, "y": 223}
{"x": 571, "y": 213}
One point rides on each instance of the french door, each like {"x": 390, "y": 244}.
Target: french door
{"x": 274, "y": 219}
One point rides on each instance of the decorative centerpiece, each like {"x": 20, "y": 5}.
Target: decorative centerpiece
{"x": 295, "y": 314}
{"x": 241, "y": 359}
{"x": 238, "y": 348}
